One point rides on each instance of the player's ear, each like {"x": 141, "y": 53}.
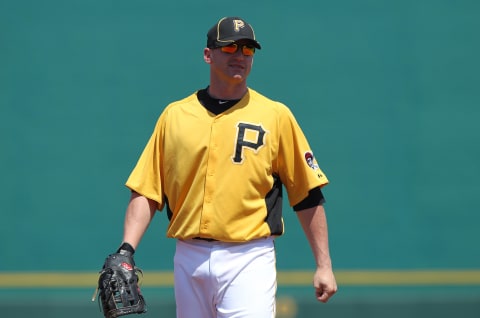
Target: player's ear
{"x": 207, "y": 55}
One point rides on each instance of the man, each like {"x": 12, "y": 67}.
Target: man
{"x": 217, "y": 161}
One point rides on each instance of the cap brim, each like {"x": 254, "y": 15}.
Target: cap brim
{"x": 229, "y": 41}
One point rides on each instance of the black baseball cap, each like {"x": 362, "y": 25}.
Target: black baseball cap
{"x": 229, "y": 30}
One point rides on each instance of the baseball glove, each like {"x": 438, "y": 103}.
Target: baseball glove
{"x": 118, "y": 285}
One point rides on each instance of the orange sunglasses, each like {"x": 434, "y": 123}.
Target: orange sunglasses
{"x": 247, "y": 50}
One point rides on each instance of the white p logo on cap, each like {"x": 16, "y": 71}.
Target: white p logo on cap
{"x": 237, "y": 25}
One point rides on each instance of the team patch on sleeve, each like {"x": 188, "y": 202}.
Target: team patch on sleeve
{"x": 312, "y": 163}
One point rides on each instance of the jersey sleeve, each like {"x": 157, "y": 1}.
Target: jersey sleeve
{"x": 147, "y": 176}
{"x": 297, "y": 166}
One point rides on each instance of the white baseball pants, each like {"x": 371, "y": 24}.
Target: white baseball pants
{"x": 225, "y": 280}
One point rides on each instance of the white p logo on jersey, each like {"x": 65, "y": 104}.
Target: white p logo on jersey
{"x": 243, "y": 142}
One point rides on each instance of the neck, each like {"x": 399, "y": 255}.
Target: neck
{"x": 227, "y": 91}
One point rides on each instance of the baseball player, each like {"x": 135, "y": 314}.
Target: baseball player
{"x": 217, "y": 162}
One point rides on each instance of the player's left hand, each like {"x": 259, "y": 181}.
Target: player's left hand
{"x": 118, "y": 286}
{"x": 324, "y": 283}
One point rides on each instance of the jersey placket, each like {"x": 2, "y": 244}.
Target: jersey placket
{"x": 210, "y": 180}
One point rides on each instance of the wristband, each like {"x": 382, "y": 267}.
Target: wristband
{"x": 127, "y": 247}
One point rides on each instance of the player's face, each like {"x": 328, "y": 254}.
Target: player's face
{"x": 230, "y": 67}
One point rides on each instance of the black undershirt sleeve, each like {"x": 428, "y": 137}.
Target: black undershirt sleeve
{"x": 315, "y": 197}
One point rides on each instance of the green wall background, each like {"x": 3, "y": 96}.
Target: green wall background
{"x": 386, "y": 91}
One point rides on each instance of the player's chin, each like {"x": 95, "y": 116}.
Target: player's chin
{"x": 239, "y": 71}
{"x": 239, "y": 77}
{"x": 239, "y": 74}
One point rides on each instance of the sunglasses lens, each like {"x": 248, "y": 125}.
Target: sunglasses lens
{"x": 248, "y": 50}
{"x": 230, "y": 48}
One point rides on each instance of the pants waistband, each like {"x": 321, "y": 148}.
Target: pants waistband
{"x": 205, "y": 239}
{"x": 213, "y": 242}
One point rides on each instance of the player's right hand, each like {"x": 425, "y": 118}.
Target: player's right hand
{"x": 325, "y": 284}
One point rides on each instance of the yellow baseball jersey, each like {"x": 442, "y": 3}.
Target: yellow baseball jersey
{"x": 220, "y": 176}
